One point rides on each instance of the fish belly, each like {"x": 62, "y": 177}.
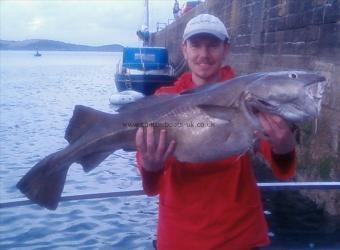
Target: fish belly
{"x": 202, "y": 138}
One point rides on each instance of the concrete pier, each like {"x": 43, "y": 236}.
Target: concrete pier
{"x": 268, "y": 35}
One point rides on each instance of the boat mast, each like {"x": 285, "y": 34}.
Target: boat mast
{"x": 143, "y": 33}
{"x": 147, "y": 13}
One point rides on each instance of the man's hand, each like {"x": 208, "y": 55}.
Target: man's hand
{"x": 153, "y": 154}
{"x": 278, "y": 133}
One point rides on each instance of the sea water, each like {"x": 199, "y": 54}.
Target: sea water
{"x": 37, "y": 97}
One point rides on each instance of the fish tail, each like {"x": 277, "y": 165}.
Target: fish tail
{"x": 86, "y": 120}
{"x": 45, "y": 181}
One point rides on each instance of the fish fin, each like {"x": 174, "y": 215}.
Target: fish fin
{"x": 123, "y": 140}
{"x": 146, "y": 102}
{"x": 219, "y": 112}
{"x": 82, "y": 120}
{"x": 43, "y": 186}
{"x": 91, "y": 161}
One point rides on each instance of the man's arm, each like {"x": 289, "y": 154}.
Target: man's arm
{"x": 151, "y": 157}
{"x": 150, "y": 180}
{"x": 283, "y": 166}
{"x": 278, "y": 147}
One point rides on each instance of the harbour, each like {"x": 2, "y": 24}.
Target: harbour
{"x": 106, "y": 208}
{"x": 37, "y": 104}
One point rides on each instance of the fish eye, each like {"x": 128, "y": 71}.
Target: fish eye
{"x": 293, "y": 75}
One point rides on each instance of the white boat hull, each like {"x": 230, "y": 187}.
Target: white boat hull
{"x": 125, "y": 97}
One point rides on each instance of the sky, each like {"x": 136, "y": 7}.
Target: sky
{"x": 88, "y": 22}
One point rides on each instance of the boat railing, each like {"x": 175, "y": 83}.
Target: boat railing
{"x": 265, "y": 186}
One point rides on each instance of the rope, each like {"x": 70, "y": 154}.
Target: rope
{"x": 141, "y": 58}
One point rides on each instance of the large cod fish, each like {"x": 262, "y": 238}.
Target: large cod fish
{"x": 208, "y": 123}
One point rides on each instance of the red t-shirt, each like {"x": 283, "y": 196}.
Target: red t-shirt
{"x": 215, "y": 205}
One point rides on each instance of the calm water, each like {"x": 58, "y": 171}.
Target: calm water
{"x": 37, "y": 96}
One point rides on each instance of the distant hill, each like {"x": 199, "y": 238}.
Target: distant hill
{"x": 43, "y": 44}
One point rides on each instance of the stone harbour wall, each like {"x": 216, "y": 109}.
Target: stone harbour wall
{"x": 269, "y": 35}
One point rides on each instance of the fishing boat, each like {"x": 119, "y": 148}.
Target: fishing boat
{"x": 37, "y": 54}
{"x": 142, "y": 69}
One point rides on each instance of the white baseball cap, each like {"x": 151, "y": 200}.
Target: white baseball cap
{"x": 206, "y": 23}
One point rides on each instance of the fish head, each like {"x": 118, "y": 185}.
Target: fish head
{"x": 293, "y": 95}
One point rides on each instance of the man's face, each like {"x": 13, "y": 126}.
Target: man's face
{"x": 205, "y": 54}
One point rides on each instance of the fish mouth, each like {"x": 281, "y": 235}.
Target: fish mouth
{"x": 315, "y": 91}
{"x": 317, "y": 79}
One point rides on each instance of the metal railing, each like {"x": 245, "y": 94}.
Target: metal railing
{"x": 262, "y": 185}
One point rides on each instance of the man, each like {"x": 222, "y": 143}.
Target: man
{"x": 214, "y": 205}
